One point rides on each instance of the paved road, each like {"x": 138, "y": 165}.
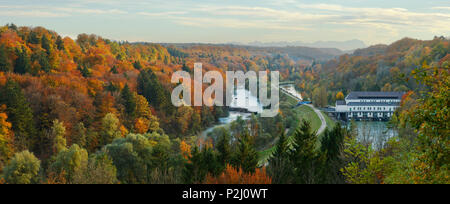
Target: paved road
{"x": 322, "y": 119}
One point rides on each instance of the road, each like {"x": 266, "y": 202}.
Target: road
{"x": 319, "y": 113}
{"x": 322, "y": 119}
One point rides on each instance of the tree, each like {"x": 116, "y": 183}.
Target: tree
{"x": 144, "y": 112}
{"x": 200, "y": 164}
{"x": 20, "y": 115}
{"x": 224, "y": 148}
{"x": 5, "y": 63}
{"x": 128, "y": 100}
{"x": 6, "y": 140}
{"x": 110, "y": 129}
{"x": 23, "y": 169}
{"x": 340, "y": 96}
{"x": 132, "y": 157}
{"x": 280, "y": 167}
{"x": 80, "y": 135}
{"x": 232, "y": 175}
{"x": 332, "y": 147}
{"x": 59, "y": 43}
{"x": 137, "y": 65}
{"x": 58, "y": 135}
{"x": 23, "y": 62}
{"x": 150, "y": 87}
{"x": 70, "y": 162}
{"x": 246, "y": 157}
{"x": 304, "y": 156}
{"x": 99, "y": 170}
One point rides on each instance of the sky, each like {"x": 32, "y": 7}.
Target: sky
{"x": 224, "y": 21}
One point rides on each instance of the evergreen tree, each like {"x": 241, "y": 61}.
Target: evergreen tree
{"x": 304, "y": 155}
{"x": 280, "y": 167}
{"x": 46, "y": 44}
{"x": 128, "y": 100}
{"x": 114, "y": 70}
{"x": 332, "y": 145}
{"x": 137, "y": 65}
{"x": 150, "y": 87}
{"x": 5, "y": 63}
{"x": 246, "y": 156}
{"x": 33, "y": 38}
{"x": 23, "y": 62}
{"x": 224, "y": 148}
{"x": 20, "y": 115}
{"x": 84, "y": 71}
{"x": 59, "y": 43}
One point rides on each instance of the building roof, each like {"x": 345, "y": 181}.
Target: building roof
{"x": 372, "y": 104}
{"x": 340, "y": 103}
{"x": 375, "y": 95}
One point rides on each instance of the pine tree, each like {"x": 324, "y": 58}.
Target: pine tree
{"x": 280, "y": 167}
{"x": 46, "y": 44}
{"x": 23, "y": 62}
{"x": 5, "y": 64}
{"x": 304, "y": 155}
{"x": 20, "y": 115}
{"x": 246, "y": 156}
{"x": 224, "y": 148}
{"x": 59, "y": 43}
{"x": 84, "y": 71}
{"x": 128, "y": 100}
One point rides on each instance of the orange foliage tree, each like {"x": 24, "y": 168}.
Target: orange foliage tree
{"x": 232, "y": 175}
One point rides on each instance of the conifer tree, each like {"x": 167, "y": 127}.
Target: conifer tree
{"x": 20, "y": 115}
{"x": 23, "y": 62}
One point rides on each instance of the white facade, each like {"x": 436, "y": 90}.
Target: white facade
{"x": 369, "y": 105}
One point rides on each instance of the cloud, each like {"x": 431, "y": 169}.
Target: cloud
{"x": 35, "y": 14}
{"x": 162, "y": 14}
{"x": 48, "y": 12}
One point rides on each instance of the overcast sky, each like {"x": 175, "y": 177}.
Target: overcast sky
{"x": 221, "y": 21}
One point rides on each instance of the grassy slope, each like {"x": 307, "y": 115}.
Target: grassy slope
{"x": 303, "y": 113}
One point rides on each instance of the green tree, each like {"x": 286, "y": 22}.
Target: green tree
{"x": 99, "y": 170}
{"x": 304, "y": 155}
{"x": 5, "y": 63}
{"x": 128, "y": 100}
{"x": 23, "y": 62}
{"x": 246, "y": 157}
{"x": 20, "y": 115}
{"x": 58, "y": 135}
{"x": 80, "y": 135}
{"x": 110, "y": 129}
{"x": 59, "y": 43}
{"x": 224, "y": 148}
{"x": 150, "y": 87}
{"x": 70, "y": 162}
{"x": 133, "y": 158}
{"x": 280, "y": 167}
{"x": 23, "y": 169}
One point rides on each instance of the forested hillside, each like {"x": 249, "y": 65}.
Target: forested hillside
{"x": 377, "y": 68}
{"x": 92, "y": 110}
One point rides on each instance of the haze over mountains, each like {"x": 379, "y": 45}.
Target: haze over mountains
{"x": 342, "y": 45}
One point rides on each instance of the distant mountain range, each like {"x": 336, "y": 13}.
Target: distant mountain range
{"x": 349, "y": 45}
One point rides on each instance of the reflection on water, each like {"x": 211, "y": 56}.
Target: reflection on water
{"x": 375, "y": 133}
{"x": 242, "y": 98}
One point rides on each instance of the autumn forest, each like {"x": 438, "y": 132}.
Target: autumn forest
{"x": 92, "y": 110}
